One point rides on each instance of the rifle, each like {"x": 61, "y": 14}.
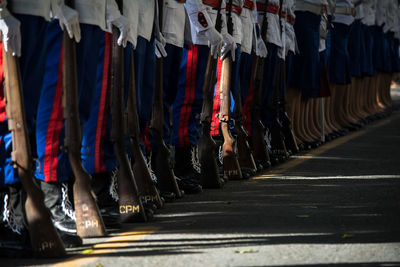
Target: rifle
{"x": 130, "y": 205}
{"x": 258, "y": 143}
{"x": 229, "y": 159}
{"x": 245, "y": 155}
{"x": 89, "y": 223}
{"x": 207, "y": 146}
{"x": 161, "y": 159}
{"x": 290, "y": 140}
{"x": 278, "y": 147}
{"x": 147, "y": 190}
{"x": 44, "y": 238}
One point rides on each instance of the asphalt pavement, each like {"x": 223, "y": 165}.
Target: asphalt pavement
{"x": 336, "y": 205}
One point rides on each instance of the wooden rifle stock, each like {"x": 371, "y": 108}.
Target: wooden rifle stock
{"x": 229, "y": 158}
{"x": 139, "y": 165}
{"x": 258, "y": 143}
{"x": 245, "y": 155}
{"x": 130, "y": 205}
{"x": 44, "y": 238}
{"x": 89, "y": 223}
{"x": 207, "y": 146}
{"x": 161, "y": 162}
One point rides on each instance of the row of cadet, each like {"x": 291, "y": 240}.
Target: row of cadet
{"x": 237, "y": 85}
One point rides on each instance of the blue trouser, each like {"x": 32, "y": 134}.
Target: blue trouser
{"x": 306, "y": 63}
{"x": 246, "y": 75}
{"x": 32, "y": 67}
{"x": 171, "y": 65}
{"x": 97, "y": 148}
{"x": 145, "y": 79}
{"x": 50, "y": 131}
{"x": 247, "y": 67}
{"x": 268, "y": 83}
{"x": 188, "y": 103}
{"x": 235, "y": 75}
{"x": 369, "y": 50}
{"x": 97, "y": 143}
{"x": 339, "y": 68}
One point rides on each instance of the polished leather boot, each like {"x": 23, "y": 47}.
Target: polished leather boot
{"x": 14, "y": 236}
{"x": 63, "y": 216}
{"x": 108, "y": 206}
{"x": 188, "y": 177}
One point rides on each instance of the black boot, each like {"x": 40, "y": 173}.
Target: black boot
{"x": 14, "y": 236}
{"x": 108, "y": 206}
{"x": 188, "y": 178}
{"x": 63, "y": 216}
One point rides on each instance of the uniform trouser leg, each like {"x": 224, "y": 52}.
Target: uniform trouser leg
{"x": 32, "y": 67}
{"x": 50, "y": 129}
{"x": 97, "y": 148}
{"x": 268, "y": 83}
{"x": 247, "y": 67}
{"x": 145, "y": 79}
{"x": 188, "y": 103}
{"x": 171, "y": 66}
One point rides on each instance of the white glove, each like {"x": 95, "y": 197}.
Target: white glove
{"x": 229, "y": 46}
{"x": 11, "y": 32}
{"x": 122, "y": 23}
{"x": 160, "y": 46}
{"x": 215, "y": 40}
{"x": 69, "y": 19}
{"x": 261, "y": 49}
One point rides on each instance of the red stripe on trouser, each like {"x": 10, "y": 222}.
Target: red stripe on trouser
{"x": 249, "y": 101}
{"x": 217, "y": 103}
{"x": 52, "y": 145}
{"x": 190, "y": 88}
{"x": 101, "y": 127}
{"x": 2, "y": 99}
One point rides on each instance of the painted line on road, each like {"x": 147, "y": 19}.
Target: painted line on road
{"x": 360, "y": 177}
{"x": 107, "y": 247}
{"x": 318, "y": 151}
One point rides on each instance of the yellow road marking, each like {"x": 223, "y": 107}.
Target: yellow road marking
{"x": 318, "y": 151}
{"x": 107, "y": 247}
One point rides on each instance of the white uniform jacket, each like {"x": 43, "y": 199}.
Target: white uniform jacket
{"x": 248, "y": 20}
{"x": 173, "y": 24}
{"x": 368, "y": 7}
{"x": 146, "y": 18}
{"x": 380, "y": 15}
{"x": 131, "y": 11}
{"x": 236, "y": 20}
{"x": 341, "y": 17}
{"x": 40, "y": 8}
{"x": 291, "y": 43}
{"x": 391, "y": 16}
{"x": 273, "y": 31}
{"x": 201, "y": 18}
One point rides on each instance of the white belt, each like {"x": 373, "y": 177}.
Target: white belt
{"x": 305, "y": 6}
{"x": 345, "y": 10}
